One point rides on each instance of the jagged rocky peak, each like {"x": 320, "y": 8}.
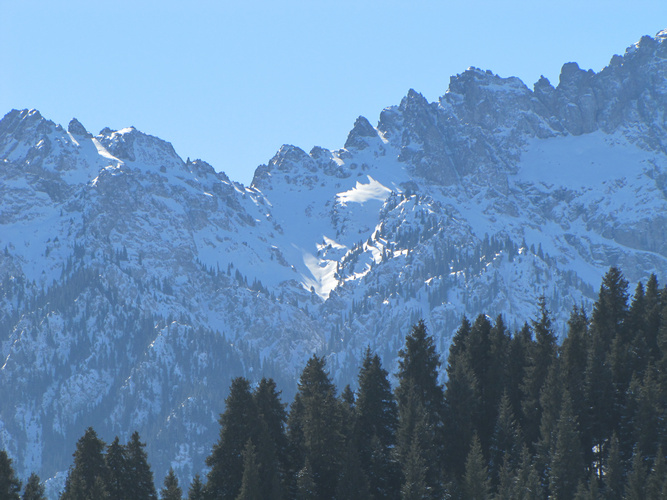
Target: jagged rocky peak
{"x": 76, "y": 128}
{"x": 360, "y": 133}
{"x": 24, "y": 126}
{"x": 131, "y": 145}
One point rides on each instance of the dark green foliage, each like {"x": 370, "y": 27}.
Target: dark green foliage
{"x": 421, "y": 402}
{"x": 566, "y": 464}
{"x": 140, "y": 485}
{"x": 197, "y": 489}
{"x": 375, "y": 428}
{"x": 250, "y": 482}
{"x": 10, "y": 486}
{"x": 614, "y": 473}
{"x": 505, "y": 446}
{"x": 476, "y": 483}
{"x": 87, "y": 477}
{"x": 353, "y": 482}
{"x": 305, "y": 484}
{"x": 238, "y": 424}
{"x": 34, "y": 489}
{"x": 117, "y": 466}
{"x": 635, "y": 486}
{"x": 315, "y": 428}
{"x": 270, "y": 440}
{"x": 657, "y": 478}
{"x": 540, "y": 357}
{"x": 171, "y": 489}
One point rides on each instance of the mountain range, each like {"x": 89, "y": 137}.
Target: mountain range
{"x": 134, "y": 285}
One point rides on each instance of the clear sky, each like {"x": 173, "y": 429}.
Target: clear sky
{"x": 229, "y": 82}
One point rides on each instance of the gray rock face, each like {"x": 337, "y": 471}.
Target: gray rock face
{"x": 134, "y": 285}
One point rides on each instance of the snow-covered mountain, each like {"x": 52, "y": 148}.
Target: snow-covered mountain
{"x": 134, "y": 285}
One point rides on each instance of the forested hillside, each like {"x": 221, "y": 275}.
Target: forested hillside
{"x": 519, "y": 417}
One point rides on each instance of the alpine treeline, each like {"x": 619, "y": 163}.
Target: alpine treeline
{"x": 519, "y": 417}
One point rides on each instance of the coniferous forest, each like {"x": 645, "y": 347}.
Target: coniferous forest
{"x": 519, "y": 417}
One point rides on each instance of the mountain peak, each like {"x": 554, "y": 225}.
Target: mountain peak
{"x": 360, "y": 132}
{"x": 76, "y": 128}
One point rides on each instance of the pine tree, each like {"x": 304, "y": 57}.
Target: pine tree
{"x": 272, "y": 446}
{"x": 614, "y": 473}
{"x": 418, "y": 387}
{"x": 353, "y": 483}
{"x": 527, "y": 483}
{"x": 476, "y": 483}
{"x": 87, "y": 477}
{"x": 566, "y": 467}
{"x": 238, "y": 423}
{"x": 116, "y": 462}
{"x": 635, "y": 486}
{"x": 656, "y": 481}
{"x": 197, "y": 489}
{"x": 171, "y": 489}
{"x": 315, "y": 427}
{"x": 10, "y": 486}
{"x": 250, "y": 483}
{"x": 414, "y": 470}
{"x": 140, "y": 485}
{"x": 376, "y": 426}
{"x": 541, "y": 356}
{"x": 505, "y": 447}
{"x": 34, "y": 489}
{"x": 305, "y": 484}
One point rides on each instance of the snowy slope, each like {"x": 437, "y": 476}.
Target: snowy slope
{"x": 134, "y": 285}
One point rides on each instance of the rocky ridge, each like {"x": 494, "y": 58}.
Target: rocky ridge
{"x": 134, "y": 284}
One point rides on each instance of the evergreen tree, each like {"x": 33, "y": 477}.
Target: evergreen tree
{"x": 615, "y": 473}
{"x": 238, "y": 423}
{"x": 505, "y": 447}
{"x": 116, "y": 462}
{"x": 87, "y": 476}
{"x": 414, "y": 469}
{"x": 518, "y": 361}
{"x": 250, "y": 483}
{"x": 635, "y": 486}
{"x": 656, "y": 481}
{"x": 272, "y": 451}
{"x": 573, "y": 360}
{"x": 305, "y": 484}
{"x": 353, "y": 483}
{"x": 171, "y": 489}
{"x": 418, "y": 387}
{"x": 527, "y": 483}
{"x": 197, "y": 489}
{"x": 476, "y": 483}
{"x": 34, "y": 489}
{"x": 376, "y": 426}
{"x": 315, "y": 427}
{"x": 140, "y": 485}
{"x": 588, "y": 491}
{"x": 566, "y": 467}
{"x": 10, "y": 486}
{"x": 541, "y": 356}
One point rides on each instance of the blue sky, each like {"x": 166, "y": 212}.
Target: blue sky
{"x": 229, "y": 82}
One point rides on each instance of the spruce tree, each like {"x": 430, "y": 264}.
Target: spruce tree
{"x": 657, "y": 477}
{"x": 171, "y": 489}
{"x": 418, "y": 386}
{"x": 116, "y": 462}
{"x": 305, "y": 484}
{"x": 140, "y": 485}
{"x": 376, "y": 426}
{"x": 505, "y": 449}
{"x": 566, "y": 465}
{"x": 87, "y": 477}
{"x": 315, "y": 427}
{"x": 10, "y": 486}
{"x": 476, "y": 483}
{"x": 353, "y": 482}
{"x": 250, "y": 483}
{"x": 238, "y": 423}
{"x": 541, "y": 356}
{"x": 197, "y": 489}
{"x": 34, "y": 489}
{"x": 614, "y": 474}
{"x": 635, "y": 486}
